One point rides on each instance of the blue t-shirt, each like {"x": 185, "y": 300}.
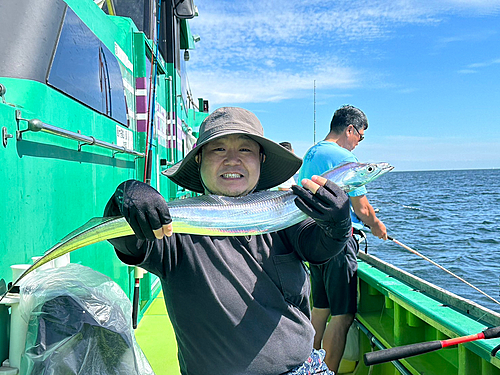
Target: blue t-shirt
{"x": 324, "y": 156}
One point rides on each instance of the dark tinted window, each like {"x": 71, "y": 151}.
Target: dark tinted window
{"x": 86, "y": 70}
{"x": 114, "y": 105}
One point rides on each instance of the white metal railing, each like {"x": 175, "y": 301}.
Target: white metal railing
{"x": 36, "y": 125}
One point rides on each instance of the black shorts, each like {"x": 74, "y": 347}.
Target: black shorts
{"x": 334, "y": 284}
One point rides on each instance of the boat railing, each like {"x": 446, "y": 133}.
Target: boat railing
{"x": 36, "y": 125}
{"x": 451, "y": 300}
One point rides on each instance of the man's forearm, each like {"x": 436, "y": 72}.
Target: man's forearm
{"x": 365, "y": 212}
{"x": 315, "y": 245}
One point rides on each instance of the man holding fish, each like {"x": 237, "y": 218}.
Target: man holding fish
{"x": 239, "y": 305}
{"x": 334, "y": 284}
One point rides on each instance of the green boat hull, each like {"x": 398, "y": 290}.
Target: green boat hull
{"x": 397, "y": 308}
{"x": 75, "y": 108}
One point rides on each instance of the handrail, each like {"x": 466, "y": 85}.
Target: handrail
{"x": 376, "y": 342}
{"x": 36, "y": 125}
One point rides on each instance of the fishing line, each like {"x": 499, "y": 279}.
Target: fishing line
{"x": 441, "y": 267}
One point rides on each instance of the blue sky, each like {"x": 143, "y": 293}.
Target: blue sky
{"x": 426, "y": 73}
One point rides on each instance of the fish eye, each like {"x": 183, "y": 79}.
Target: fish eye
{"x": 370, "y": 169}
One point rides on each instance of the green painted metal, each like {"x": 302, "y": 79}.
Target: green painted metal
{"x": 51, "y": 185}
{"x": 187, "y": 40}
{"x": 41, "y": 173}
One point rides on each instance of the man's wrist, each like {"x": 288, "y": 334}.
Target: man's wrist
{"x": 340, "y": 229}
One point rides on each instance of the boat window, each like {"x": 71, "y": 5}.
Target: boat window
{"x": 85, "y": 69}
{"x": 115, "y": 107}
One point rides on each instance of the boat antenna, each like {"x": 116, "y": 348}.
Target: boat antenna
{"x": 441, "y": 267}
{"x": 314, "y": 107}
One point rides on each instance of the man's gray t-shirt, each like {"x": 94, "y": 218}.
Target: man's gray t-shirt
{"x": 238, "y": 305}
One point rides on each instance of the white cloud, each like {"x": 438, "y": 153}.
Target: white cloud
{"x": 484, "y": 64}
{"x": 475, "y": 67}
{"x": 479, "y": 7}
{"x": 465, "y": 37}
{"x": 264, "y": 50}
{"x": 264, "y": 85}
{"x": 467, "y": 71}
{"x": 301, "y": 22}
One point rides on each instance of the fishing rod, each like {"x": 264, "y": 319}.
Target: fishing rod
{"x": 151, "y": 100}
{"x": 441, "y": 267}
{"x": 148, "y": 162}
{"x": 411, "y": 350}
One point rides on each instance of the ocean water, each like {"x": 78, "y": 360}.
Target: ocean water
{"x": 451, "y": 217}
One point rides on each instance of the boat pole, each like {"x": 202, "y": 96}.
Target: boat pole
{"x": 411, "y": 350}
{"x": 441, "y": 267}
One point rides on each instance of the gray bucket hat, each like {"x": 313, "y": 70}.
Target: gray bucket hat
{"x": 279, "y": 165}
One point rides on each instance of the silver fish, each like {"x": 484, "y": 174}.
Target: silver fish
{"x": 256, "y": 213}
{"x": 261, "y": 212}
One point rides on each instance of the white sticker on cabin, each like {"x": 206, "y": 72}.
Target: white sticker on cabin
{"x": 161, "y": 123}
{"x": 124, "y": 138}
{"x": 128, "y": 86}
{"x": 122, "y": 56}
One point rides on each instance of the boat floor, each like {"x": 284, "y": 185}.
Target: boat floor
{"x": 156, "y": 337}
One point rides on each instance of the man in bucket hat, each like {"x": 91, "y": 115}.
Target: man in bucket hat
{"x": 239, "y": 305}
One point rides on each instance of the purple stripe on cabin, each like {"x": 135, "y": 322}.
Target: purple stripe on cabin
{"x": 141, "y": 104}
{"x": 142, "y": 125}
{"x": 141, "y": 83}
{"x": 172, "y": 132}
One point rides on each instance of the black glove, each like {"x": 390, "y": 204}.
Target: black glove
{"x": 329, "y": 207}
{"x": 142, "y": 206}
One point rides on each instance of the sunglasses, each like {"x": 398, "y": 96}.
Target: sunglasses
{"x": 361, "y": 136}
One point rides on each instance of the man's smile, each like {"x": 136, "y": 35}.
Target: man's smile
{"x": 231, "y": 175}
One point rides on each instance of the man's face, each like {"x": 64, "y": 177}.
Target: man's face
{"x": 230, "y": 165}
{"x": 352, "y": 137}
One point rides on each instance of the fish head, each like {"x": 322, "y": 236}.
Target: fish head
{"x": 351, "y": 176}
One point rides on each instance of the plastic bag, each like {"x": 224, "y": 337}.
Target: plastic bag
{"x": 79, "y": 322}
{"x": 351, "y": 351}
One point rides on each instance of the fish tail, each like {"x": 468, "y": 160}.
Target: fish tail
{"x": 95, "y": 230}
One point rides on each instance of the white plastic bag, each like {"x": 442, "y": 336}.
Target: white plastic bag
{"x": 79, "y": 322}
{"x": 351, "y": 351}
